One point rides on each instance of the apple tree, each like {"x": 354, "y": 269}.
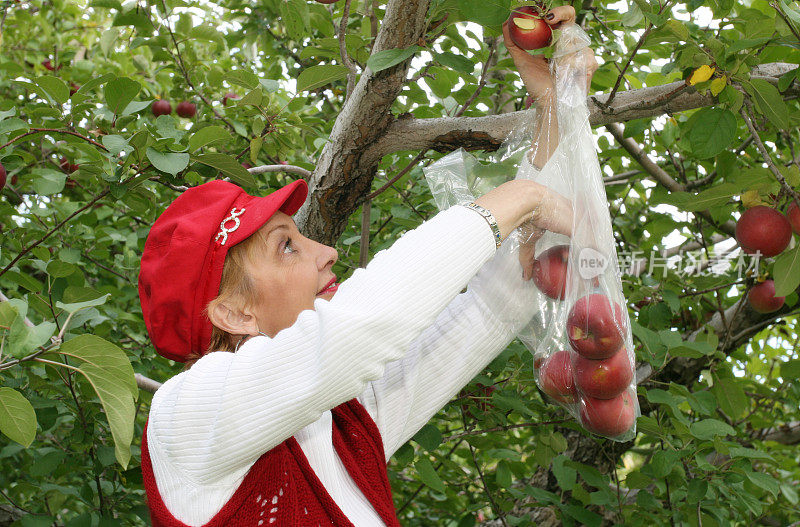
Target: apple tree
{"x": 109, "y": 109}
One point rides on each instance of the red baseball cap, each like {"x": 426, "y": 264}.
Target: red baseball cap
{"x": 185, "y": 252}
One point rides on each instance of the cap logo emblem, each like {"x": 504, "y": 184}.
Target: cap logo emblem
{"x": 223, "y": 230}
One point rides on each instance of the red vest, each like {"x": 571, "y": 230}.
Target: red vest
{"x": 282, "y": 490}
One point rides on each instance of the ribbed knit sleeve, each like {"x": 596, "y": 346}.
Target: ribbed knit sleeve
{"x": 213, "y": 421}
{"x": 465, "y": 338}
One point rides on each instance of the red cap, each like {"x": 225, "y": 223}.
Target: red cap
{"x": 185, "y": 252}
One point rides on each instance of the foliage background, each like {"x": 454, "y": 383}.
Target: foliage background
{"x": 718, "y": 382}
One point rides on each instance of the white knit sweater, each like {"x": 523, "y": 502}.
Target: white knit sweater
{"x": 397, "y": 335}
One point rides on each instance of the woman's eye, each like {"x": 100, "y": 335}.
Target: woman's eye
{"x": 287, "y": 248}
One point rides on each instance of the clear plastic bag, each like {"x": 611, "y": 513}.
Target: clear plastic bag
{"x": 572, "y": 315}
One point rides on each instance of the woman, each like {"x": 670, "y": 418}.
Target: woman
{"x": 304, "y": 388}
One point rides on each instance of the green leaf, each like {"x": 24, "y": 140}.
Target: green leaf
{"x": 107, "y": 40}
{"x": 485, "y": 12}
{"x": 242, "y": 78}
{"x": 120, "y": 92}
{"x": 429, "y": 437}
{"x": 711, "y": 132}
{"x": 59, "y": 269}
{"x": 252, "y": 98}
{"x": 208, "y": 135}
{"x": 295, "y": 16}
{"x": 749, "y": 453}
{"x": 765, "y": 481}
{"x": 55, "y": 88}
{"x": 17, "y": 417}
{"x": 731, "y": 397}
{"x": 390, "y": 57}
{"x": 786, "y": 271}
{"x": 171, "y": 162}
{"x": 566, "y": 476}
{"x": 582, "y": 515}
{"x": 48, "y": 181}
{"x": 427, "y": 474}
{"x": 503, "y": 475}
{"x": 456, "y": 62}
{"x": 229, "y": 166}
{"x": 661, "y": 463}
{"x": 710, "y": 428}
{"x": 110, "y": 373}
{"x": 787, "y": 79}
{"x": 769, "y": 102}
{"x": 711, "y": 197}
{"x": 790, "y": 369}
{"x": 77, "y": 306}
{"x": 318, "y": 76}
{"x": 115, "y": 143}
{"x": 697, "y": 490}
{"x": 208, "y": 33}
{"x": 23, "y": 339}
{"x": 135, "y": 107}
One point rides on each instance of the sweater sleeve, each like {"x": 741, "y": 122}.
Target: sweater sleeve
{"x": 214, "y": 420}
{"x": 474, "y": 328}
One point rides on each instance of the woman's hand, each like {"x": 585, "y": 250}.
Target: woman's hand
{"x": 535, "y": 69}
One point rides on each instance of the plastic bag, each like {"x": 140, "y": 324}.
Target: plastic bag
{"x": 572, "y": 315}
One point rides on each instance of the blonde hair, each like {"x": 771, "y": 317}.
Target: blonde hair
{"x": 236, "y": 290}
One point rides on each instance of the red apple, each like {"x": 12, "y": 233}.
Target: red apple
{"x": 762, "y": 297}
{"x": 2, "y": 176}
{"x": 186, "y": 109}
{"x": 606, "y": 378}
{"x": 528, "y": 29}
{"x": 594, "y": 327}
{"x": 555, "y": 377}
{"x": 609, "y": 417}
{"x": 550, "y": 271}
{"x": 793, "y": 214}
{"x": 763, "y": 229}
{"x": 161, "y": 107}
{"x": 227, "y": 96}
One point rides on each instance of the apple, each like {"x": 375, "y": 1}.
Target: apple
{"x": 550, "y": 271}
{"x": 605, "y": 378}
{"x": 2, "y": 176}
{"x": 227, "y": 96}
{"x": 555, "y": 377}
{"x": 762, "y": 297}
{"x": 528, "y": 29}
{"x": 186, "y": 109}
{"x": 763, "y": 229}
{"x": 609, "y": 417}
{"x": 161, "y": 107}
{"x": 66, "y": 166}
{"x": 594, "y": 327}
{"x": 793, "y": 214}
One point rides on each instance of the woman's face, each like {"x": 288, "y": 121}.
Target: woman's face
{"x": 292, "y": 274}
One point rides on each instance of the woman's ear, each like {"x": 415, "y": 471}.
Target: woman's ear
{"x": 232, "y": 320}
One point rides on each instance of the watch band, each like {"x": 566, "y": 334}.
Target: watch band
{"x": 489, "y": 217}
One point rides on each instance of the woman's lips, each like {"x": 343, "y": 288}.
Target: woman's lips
{"x": 330, "y": 289}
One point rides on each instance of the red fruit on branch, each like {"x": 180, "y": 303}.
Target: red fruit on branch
{"x": 229, "y": 96}
{"x": 594, "y": 326}
{"x": 763, "y": 229}
{"x": 48, "y": 65}
{"x": 550, "y": 271}
{"x": 793, "y": 214}
{"x": 762, "y": 297}
{"x": 606, "y": 378}
{"x": 66, "y": 166}
{"x": 556, "y": 378}
{"x": 161, "y": 107}
{"x": 186, "y": 109}
{"x": 73, "y": 88}
{"x": 528, "y": 29}
{"x": 609, "y": 417}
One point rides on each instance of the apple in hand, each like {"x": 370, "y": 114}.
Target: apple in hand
{"x": 793, "y": 213}
{"x": 528, "y": 29}
{"x": 186, "y": 109}
{"x": 605, "y": 378}
{"x": 161, "y": 107}
{"x": 762, "y": 297}
{"x": 763, "y": 229}
{"x": 550, "y": 271}
{"x": 555, "y": 377}
{"x": 594, "y": 327}
{"x": 609, "y": 417}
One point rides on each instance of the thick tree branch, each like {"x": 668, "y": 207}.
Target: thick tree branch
{"x": 446, "y": 134}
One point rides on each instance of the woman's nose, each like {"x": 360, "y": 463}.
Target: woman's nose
{"x": 328, "y": 255}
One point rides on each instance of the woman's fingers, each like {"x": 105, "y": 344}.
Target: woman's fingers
{"x": 561, "y": 16}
